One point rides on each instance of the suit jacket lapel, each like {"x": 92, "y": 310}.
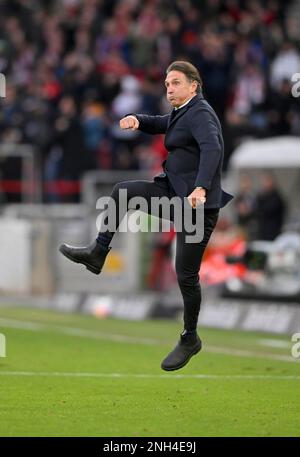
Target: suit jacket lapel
{"x": 176, "y": 114}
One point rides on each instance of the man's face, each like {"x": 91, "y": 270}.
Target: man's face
{"x": 267, "y": 183}
{"x": 179, "y": 88}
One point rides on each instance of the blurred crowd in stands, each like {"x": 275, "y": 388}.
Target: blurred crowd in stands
{"x": 74, "y": 67}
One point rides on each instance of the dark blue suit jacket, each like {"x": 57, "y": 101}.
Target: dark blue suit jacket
{"x": 193, "y": 137}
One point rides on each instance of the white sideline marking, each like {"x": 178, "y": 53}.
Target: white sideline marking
{"x": 75, "y": 331}
{"x": 92, "y": 334}
{"x": 146, "y": 376}
{"x": 246, "y": 353}
{"x": 274, "y": 343}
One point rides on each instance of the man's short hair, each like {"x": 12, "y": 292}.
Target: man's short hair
{"x": 191, "y": 72}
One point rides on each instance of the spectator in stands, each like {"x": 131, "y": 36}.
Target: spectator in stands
{"x": 70, "y": 152}
{"x": 124, "y": 142}
{"x": 283, "y": 110}
{"x": 245, "y": 203}
{"x": 285, "y": 64}
{"x": 270, "y": 209}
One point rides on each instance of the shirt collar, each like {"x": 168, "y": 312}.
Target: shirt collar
{"x": 181, "y": 106}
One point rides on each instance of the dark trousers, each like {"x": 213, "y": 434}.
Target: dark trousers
{"x": 188, "y": 255}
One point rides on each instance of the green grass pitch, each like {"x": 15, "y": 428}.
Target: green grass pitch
{"x": 75, "y": 375}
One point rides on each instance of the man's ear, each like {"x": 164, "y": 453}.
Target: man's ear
{"x": 194, "y": 86}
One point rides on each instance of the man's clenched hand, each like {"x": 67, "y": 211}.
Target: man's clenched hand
{"x": 129, "y": 122}
{"x": 197, "y": 197}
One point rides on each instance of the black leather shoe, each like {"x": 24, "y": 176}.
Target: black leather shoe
{"x": 92, "y": 256}
{"x": 188, "y": 345}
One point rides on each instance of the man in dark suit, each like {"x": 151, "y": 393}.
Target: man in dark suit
{"x": 193, "y": 137}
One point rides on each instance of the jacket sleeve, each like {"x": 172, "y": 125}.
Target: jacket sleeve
{"x": 207, "y": 134}
{"x": 151, "y": 124}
